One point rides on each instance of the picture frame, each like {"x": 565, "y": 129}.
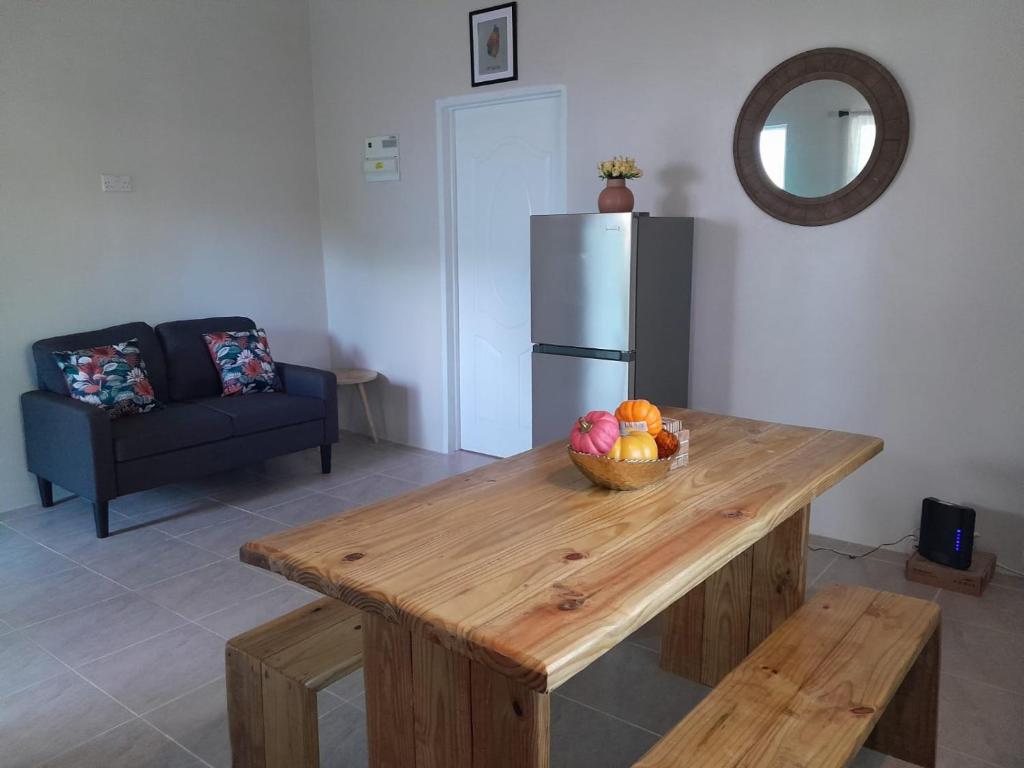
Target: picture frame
{"x": 493, "y": 44}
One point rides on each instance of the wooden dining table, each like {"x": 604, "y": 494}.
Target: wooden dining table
{"x": 485, "y": 592}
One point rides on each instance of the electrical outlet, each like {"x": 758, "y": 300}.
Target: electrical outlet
{"x": 112, "y": 183}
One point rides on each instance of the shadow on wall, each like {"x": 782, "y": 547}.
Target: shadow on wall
{"x": 675, "y": 179}
{"x": 1000, "y": 531}
{"x": 713, "y": 316}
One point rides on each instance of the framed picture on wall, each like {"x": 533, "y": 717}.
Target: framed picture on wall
{"x": 492, "y": 44}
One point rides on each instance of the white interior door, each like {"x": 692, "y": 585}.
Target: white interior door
{"x": 508, "y": 166}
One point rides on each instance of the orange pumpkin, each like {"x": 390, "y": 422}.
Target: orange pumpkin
{"x": 667, "y": 442}
{"x": 636, "y": 412}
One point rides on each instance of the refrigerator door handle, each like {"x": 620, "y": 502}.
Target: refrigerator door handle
{"x": 593, "y": 354}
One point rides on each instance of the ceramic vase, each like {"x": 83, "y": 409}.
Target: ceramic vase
{"x": 616, "y": 197}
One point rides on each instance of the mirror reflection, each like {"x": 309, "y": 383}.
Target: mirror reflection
{"x": 817, "y": 138}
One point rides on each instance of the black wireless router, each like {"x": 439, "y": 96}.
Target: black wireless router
{"x": 947, "y": 533}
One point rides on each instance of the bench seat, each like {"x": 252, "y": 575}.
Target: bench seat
{"x": 853, "y": 667}
{"x": 273, "y": 674}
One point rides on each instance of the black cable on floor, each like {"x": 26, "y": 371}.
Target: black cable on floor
{"x": 865, "y": 554}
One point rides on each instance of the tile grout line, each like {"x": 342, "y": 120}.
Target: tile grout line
{"x": 1018, "y": 694}
{"x": 135, "y": 715}
{"x": 607, "y": 714}
{"x": 973, "y": 757}
{"x": 197, "y": 619}
{"x": 180, "y": 696}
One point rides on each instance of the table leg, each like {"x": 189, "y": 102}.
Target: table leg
{"x": 708, "y": 631}
{"x": 428, "y": 707}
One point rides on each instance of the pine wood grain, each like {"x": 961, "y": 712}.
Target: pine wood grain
{"x": 682, "y": 635}
{"x": 526, "y": 568}
{"x": 726, "y": 620}
{"x": 778, "y": 576}
{"x": 908, "y": 729}
{"x": 812, "y": 692}
{"x": 713, "y": 627}
{"x": 245, "y": 709}
{"x": 442, "y": 706}
{"x": 511, "y": 723}
{"x": 388, "y": 679}
{"x": 273, "y": 674}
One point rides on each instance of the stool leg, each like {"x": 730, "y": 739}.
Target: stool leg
{"x": 366, "y": 407}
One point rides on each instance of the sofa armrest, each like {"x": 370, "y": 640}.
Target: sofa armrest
{"x": 70, "y": 443}
{"x": 304, "y": 381}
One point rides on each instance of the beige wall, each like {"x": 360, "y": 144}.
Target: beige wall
{"x": 905, "y": 321}
{"x": 208, "y": 105}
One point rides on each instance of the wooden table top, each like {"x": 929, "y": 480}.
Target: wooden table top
{"x": 526, "y": 567}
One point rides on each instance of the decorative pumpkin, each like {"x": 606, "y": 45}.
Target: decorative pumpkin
{"x": 636, "y": 446}
{"x": 667, "y": 442}
{"x": 594, "y": 433}
{"x": 634, "y": 413}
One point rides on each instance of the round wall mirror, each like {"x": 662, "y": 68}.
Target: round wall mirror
{"x": 821, "y": 136}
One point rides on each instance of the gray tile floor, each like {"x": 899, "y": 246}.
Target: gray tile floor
{"x": 111, "y": 652}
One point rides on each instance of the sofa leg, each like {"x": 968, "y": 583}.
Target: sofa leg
{"x": 101, "y": 516}
{"x": 325, "y": 459}
{"x": 45, "y": 491}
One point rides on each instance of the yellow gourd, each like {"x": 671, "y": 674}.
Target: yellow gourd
{"x": 636, "y": 446}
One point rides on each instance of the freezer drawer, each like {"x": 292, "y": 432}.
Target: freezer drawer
{"x": 581, "y": 270}
{"x": 565, "y": 387}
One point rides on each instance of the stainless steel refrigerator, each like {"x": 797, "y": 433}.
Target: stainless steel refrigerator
{"x": 610, "y": 314}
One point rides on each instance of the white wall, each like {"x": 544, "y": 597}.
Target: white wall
{"x": 905, "y": 321}
{"x": 208, "y": 105}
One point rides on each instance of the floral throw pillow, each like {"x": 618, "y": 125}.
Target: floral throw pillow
{"x": 112, "y": 377}
{"x": 243, "y": 360}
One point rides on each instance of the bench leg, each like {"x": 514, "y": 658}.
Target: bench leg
{"x": 908, "y": 729}
{"x": 245, "y": 709}
{"x": 712, "y": 628}
{"x": 101, "y": 518}
{"x": 45, "y": 491}
{"x": 272, "y": 719}
{"x": 429, "y": 707}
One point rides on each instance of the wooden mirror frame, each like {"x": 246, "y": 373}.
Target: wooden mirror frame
{"x": 892, "y": 125}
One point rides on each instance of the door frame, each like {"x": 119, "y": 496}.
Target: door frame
{"x": 445, "y": 110}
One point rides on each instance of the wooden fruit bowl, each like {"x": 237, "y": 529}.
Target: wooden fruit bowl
{"x": 619, "y": 475}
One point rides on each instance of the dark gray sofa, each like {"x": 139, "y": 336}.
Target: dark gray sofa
{"x": 79, "y": 447}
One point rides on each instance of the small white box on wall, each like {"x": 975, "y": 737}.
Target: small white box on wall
{"x": 381, "y": 158}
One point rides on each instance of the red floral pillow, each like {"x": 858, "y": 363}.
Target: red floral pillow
{"x": 243, "y": 361}
{"x": 111, "y": 377}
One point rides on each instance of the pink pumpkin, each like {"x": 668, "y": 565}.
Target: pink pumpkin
{"x": 594, "y": 433}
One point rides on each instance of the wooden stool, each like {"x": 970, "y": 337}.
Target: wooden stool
{"x": 853, "y": 667}
{"x": 360, "y": 377}
{"x": 273, "y": 674}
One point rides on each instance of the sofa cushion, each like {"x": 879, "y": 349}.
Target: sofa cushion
{"x": 264, "y": 410}
{"x": 190, "y": 370}
{"x": 179, "y": 425}
{"x": 112, "y": 377}
{"x": 243, "y": 361}
{"x": 51, "y": 379}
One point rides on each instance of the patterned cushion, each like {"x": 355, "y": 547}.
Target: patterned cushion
{"x": 244, "y": 361}
{"x": 112, "y": 377}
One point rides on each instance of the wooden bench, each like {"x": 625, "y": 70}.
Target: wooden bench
{"x": 853, "y": 667}
{"x": 273, "y": 674}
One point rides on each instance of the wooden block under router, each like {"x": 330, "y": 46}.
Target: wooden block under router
{"x": 970, "y": 582}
